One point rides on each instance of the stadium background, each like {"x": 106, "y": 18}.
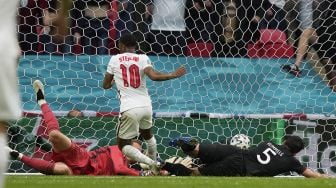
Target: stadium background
{"x": 219, "y": 97}
{"x": 213, "y": 83}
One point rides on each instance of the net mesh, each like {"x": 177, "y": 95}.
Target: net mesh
{"x": 233, "y": 51}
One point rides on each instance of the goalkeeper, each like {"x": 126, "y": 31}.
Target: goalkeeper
{"x": 267, "y": 159}
{"x": 70, "y": 159}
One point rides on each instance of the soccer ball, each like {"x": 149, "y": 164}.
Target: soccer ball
{"x": 241, "y": 141}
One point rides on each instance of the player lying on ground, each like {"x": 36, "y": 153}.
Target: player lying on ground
{"x": 267, "y": 159}
{"x": 40, "y": 164}
{"x": 68, "y": 157}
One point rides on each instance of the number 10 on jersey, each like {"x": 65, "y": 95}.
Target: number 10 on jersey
{"x": 133, "y": 73}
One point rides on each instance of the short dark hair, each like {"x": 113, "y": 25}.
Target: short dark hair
{"x": 75, "y": 113}
{"x": 294, "y": 144}
{"x": 128, "y": 40}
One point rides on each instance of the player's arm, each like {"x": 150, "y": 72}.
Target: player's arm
{"x": 159, "y": 76}
{"x": 308, "y": 173}
{"x": 43, "y": 166}
{"x": 108, "y": 81}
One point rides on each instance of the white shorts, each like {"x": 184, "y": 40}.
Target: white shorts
{"x": 10, "y": 102}
{"x": 132, "y": 120}
{"x": 306, "y": 14}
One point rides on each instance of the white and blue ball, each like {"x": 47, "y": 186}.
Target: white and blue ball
{"x": 241, "y": 141}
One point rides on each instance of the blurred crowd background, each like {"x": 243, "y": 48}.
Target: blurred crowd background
{"x": 207, "y": 28}
{"x": 228, "y": 24}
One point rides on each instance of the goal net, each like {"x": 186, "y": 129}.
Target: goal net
{"x": 233, "y": 51}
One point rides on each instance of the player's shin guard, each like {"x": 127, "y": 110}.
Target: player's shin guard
{"x": 49, "y": 118}
{"x": 42, "y": 166}
{"x": 177, "y": 169}
{"x": 152, "y": 148}
{"x": 3, "y": 158}
{"x": 136, "y": 155}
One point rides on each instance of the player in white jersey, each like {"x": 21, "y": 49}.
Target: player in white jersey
{"x": 128, "y": 70}
{"x": 9, "y": 95}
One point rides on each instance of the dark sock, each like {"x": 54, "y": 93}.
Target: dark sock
{"x": 39, "y": 95}
{"x": 177, "y": 169}
{"x": 14, "y": 154}
{"x": 43, "y": 144}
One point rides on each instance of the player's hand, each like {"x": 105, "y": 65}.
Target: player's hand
{"x": 180, "y": 71}
{"x": 187, "y": 162}
{"x": 171, "y": 160}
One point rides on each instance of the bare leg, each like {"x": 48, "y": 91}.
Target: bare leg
{"x": 306, "y": 35}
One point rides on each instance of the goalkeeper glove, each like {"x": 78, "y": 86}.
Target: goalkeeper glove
{"x": 187, "y": 161}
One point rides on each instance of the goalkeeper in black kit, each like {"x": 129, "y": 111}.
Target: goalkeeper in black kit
{"x": 266, "y": 159}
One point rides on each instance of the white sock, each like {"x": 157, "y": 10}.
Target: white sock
{"x": 3, "y": 158}
{"x": 152, "y": 148}
{"x": 136, "y": 155}
{"x": 42, "y": 101}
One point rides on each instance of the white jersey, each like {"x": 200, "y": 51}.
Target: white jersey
{"x": 278, "y": 3}
{"x": 10, "y": 107}
{"x": 129, "y": 76}
{"x": 306, "y": 14}
{"x": 169, "y": 15}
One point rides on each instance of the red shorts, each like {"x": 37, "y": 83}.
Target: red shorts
{"x": 75, "y": 157}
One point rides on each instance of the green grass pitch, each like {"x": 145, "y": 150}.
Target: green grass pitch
{"x": 163, "y": 182}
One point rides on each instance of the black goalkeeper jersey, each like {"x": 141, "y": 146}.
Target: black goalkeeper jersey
{"x": 269, "y": 159}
